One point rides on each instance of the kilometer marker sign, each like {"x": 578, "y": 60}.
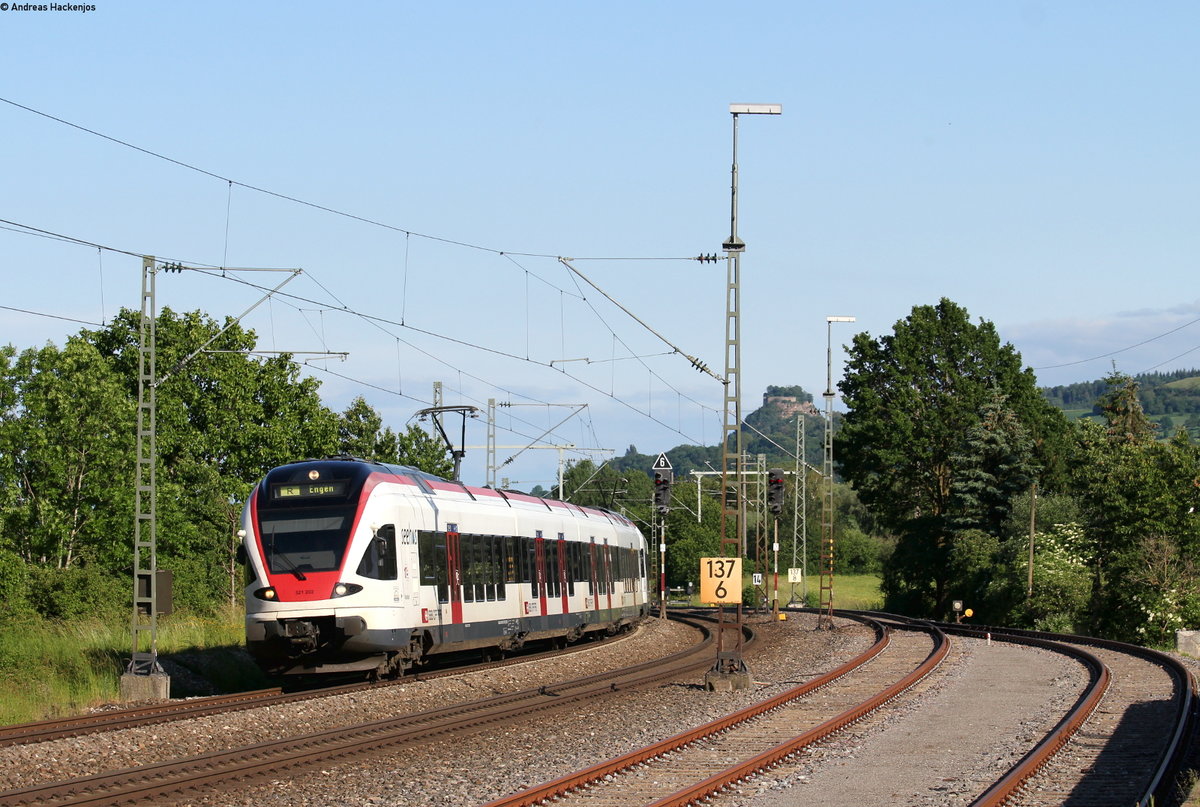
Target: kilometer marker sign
{"x": 721, "y": 581}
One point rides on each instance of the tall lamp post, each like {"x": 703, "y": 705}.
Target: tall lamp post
{"x": 825, "y": 614}
{"x": 729, "y": 672}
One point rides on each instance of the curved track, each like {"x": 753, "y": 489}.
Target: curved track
{"x": 160, "y": 782}
{"x": 1125, "y": 753}
{"x": 1129, "y": 753}
{"x": 693, "y": 765}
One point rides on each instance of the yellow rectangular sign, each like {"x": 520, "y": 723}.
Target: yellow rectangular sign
{"x": 721, "y": 581}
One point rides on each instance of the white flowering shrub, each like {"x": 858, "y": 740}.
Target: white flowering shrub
{"x": 1062, "y": 578}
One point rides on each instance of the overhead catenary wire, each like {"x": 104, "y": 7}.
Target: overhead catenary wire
{"x": 296, "y": 200}
{"x": 1112, "y": 353}
{"x": 217, "y": 272}
{"x": 230, "y": 182}
{"x": 290, "y": 298}
{"x": 510, "y": 255}
{"x": 378, "y": 320}
{"x": 699, "y": 365}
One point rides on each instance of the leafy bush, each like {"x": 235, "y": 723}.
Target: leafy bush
{"x": 858, "y": 553}
{"x": 72, "y": 593}
{"x": 14, "y": 583}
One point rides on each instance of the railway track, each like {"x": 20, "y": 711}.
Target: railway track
{"x": 169, "y": 711}
{"x": 236, "y": 767}
{"x": 1130, "y": 747}
{"x": 1120, "y": 753}
{"x": 1140, "y": 711}
{"x": 694, "y": 765}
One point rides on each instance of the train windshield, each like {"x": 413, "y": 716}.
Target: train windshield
{"x": 314, "y": 541}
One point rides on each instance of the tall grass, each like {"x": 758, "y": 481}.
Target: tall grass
{"x": 52, "y": 669}
{"x": 855, "y": 592}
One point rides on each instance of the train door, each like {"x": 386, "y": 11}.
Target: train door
{"x": 593, "y": 577}
{"x": 561, "y": 571}
{"x": 454, "y": 570}
{"x": 608, "y": 579}
{"x": 539, "y": 572}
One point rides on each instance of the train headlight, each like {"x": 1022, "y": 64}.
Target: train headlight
{"x": 269, "y": 594}
{"x": 344, "y": 590}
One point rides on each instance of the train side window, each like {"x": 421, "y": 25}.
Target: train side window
{"x": 496, "y": 565}
{"x": 589, "y": 568}
{"x": 522, "y": 565}
{"x": 598, "y": 563}
{"x": 379, "y": 560}
{"x": 487, "y": 566}
{"x": 470, "y": 568}
{"x": 504, "y": 560}
{"x": 431, "y": 549}
{"x": 572, "y": 567}
{"x": 552, "y": 570}
{"x": 572, "y": 553}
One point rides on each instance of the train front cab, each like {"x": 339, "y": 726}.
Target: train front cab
{"x": 329, "y": 584}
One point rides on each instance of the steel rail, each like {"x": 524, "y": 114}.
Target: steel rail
{"x": 251, "y": 762}
{"x": 76, "y": 725}
{"x": 580, "y": 779}
{"x": 1158, "y": 787}
{"x": 774, "y": 756}
{"x": 1009, "y": 785}
{"x": 168, "y": 711}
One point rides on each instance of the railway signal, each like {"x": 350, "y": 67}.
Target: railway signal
{"x": 662, "y": 491}
{"x": 775, "y": 491}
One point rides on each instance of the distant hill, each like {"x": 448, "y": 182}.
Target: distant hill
{"x": 1169, "y": 399}
{"x": 769, "y": 430}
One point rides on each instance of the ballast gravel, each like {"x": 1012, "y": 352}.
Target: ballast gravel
{"x": 887, "y": 750}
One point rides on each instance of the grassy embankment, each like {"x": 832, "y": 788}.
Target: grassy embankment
{"x": 857, "y": 592}
{"x": 850, "y": 591}
{"x": 52, "y": 669}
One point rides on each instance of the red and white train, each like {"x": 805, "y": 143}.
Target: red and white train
{"x": 355, "y": 565}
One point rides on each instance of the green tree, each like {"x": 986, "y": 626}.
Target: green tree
{"x": 1166, "y": 589}
{"x": 66, "y": 439}
{"x": 224, "y": 417}
{"x": 359, "y": 432}
{"x": 689, "y": 539}
{"x": 589, "y": 485}
{"x": 1121, "y": 407}
{"x": 417, "y": 448}
{"x": 993, "y": 469}
{"x": 913, "y": 395}
{"x": 1135, "y": 493}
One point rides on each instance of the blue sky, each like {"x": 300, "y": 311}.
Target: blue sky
{"x": 1034, "y": 162}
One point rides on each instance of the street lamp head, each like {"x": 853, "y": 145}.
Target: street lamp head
{"x": 840, "y": 319}
{"x": 756, "y": 109}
